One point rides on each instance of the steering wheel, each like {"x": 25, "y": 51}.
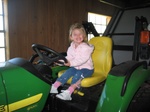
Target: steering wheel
{"x": 48, "y": 55}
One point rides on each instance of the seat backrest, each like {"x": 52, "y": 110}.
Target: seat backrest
{"x": 102, "y": 55}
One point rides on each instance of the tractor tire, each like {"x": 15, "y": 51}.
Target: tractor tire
{"x": 141, "y": 100}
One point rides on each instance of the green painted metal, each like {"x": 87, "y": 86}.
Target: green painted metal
{"x": 3, "y": 99}
{"x": 21, "y": 85}
{"x": 111, "y": 99}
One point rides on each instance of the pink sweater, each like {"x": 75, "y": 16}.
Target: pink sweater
{"x": 80, "y": 57}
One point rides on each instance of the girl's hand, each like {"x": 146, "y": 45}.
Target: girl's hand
{"x": 67, "y": 64}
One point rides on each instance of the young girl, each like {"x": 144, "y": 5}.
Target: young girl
{"x": 79, "y": 61}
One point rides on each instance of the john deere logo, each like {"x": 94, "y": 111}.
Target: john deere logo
{"x": 31, "y": 107}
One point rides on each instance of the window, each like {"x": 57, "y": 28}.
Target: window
{"x": 2, "y": 34}
{"x": 100, "y": 23}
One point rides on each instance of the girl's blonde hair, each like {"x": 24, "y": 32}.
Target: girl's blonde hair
{"x": 80, "y": 27}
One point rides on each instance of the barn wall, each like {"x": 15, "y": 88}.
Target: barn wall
{"x": 46, "y": 22}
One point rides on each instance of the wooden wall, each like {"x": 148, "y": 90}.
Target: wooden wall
{"x": 46, "y": 22}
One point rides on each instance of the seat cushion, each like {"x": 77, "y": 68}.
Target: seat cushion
{"x": 89, "y": 81}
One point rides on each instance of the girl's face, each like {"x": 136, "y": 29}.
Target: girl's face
{"x": 77, "y": 36}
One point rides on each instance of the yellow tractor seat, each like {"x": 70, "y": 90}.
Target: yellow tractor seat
{"x": 102, "y": 59}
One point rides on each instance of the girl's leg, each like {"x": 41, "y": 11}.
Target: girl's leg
{"x": 66, "y": 76}
{"x": 80, "y": 74}
{"x": 76, "y": 80}
{"x": 66, "y": 95}
{"x": 57, "y": 84}
{"x": 74, "y": 86}
{"x": 63, "y": 79}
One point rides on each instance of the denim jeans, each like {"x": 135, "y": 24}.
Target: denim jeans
{"x": 76, "y": 75}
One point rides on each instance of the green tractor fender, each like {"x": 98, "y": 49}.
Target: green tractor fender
{"x": 122, "y": 83}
